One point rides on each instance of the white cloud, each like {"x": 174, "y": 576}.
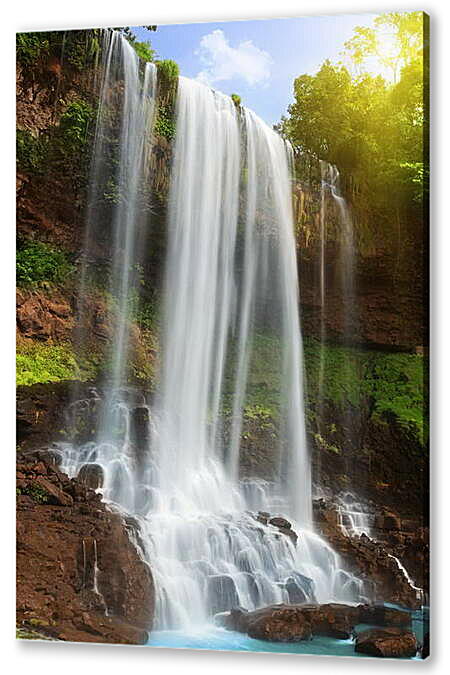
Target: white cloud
{"x": 222, "y": 62}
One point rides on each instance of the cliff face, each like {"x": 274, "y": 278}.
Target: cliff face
{"x": 381, "y": 272}
{"x": 80, "y": 576}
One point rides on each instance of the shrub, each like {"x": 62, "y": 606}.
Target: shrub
{"x": 168, "y": 71}
{"x": 37, "y": 262}
{"x": 30, "y": 47}
{"x": 42, "y": 362}
{"x": 236, "y": 100}
{"x": 74, "y": 124}
{"x": 165, "y": 122}
{"x": 144, "y": 51}
{"x": 39, "y": 495}
{"x": 31, "y": 151}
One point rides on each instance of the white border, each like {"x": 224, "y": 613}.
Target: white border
{"x": 44, "y": 658}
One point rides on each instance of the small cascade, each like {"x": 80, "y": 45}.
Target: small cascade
{"x": 419, "y": 591}
{"x": 331, "y": 182}
{"x": 355, "y": 517}
{"x": 91, "y": 571}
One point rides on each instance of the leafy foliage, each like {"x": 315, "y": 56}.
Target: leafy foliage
{"x": 74, "y": 124}
{"x": 371, "y": 128}
{"x": 36, "y": 492}
{"x": 144, "y": 51}
{"x": 77, "y": 47}
{"x": 168, "y": 70}
{"x": 236, "y": 100}
{"x": 165, "y": 122}
{"x": 44, "y": 362}
{"x": 397, "y": 386}
{"x": 31, "y": 46}
{"x": 37, "y": 262}
{"x": 31, "y": 151}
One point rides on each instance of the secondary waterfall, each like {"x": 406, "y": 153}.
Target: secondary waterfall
{"x": 173, "y": 462}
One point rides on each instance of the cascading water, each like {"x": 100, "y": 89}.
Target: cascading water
{"x": 230, "y": 279}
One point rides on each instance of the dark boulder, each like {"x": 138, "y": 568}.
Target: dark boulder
{"x": 379, "y": 615}
{"x": 236, "y": 619}
{"x": 300, "y": 589}
{"x": 387, "y": 642}
{"x": 425, "y": 651}
{"x": 222, "y": 593}
{"x": 277, "y": 623}
{"x": 331, "y": 620}
{"x": 280, "y": 522}
{"x": 291, "y": 623}
{"x": 91, "y": 475}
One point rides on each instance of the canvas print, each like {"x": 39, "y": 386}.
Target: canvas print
{"x": 222, "y": 335}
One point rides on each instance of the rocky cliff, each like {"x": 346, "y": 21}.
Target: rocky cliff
{"x": 80, "y": 576}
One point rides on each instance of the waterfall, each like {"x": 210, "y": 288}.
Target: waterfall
{"x": 173, "y": 462}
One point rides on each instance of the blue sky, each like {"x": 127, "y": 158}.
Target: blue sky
{"x": 258, "y": 60}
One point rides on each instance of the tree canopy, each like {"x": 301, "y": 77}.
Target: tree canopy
{"x": 372, "y": 127}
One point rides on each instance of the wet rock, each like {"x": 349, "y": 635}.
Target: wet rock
{"x": 222, "y": 593}
{"x": 263, "y": 517}
{"x": 235, "y": 619}
{"x": 291, "y": 623}
{"x": 300, "y": 589}
{"x": 278, "y": 623}
{"x": 387, "y": 642}
{"x": 141, "y": 421}
{"x": 91, "y": 475}
{"x": 425, "y": 651}
{"x": 373, "y": 560}
{"x": 331, "y": 620}
{"x": 43, "y": 315}
{"x": 283, "y": 525}
{"x": 379, "y": 615}
{"x": 387, "y": 521}
{"x": 280, "y": 523}
{"x": 252, "y": 587}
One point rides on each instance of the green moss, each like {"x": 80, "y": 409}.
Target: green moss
{"x": 37, "y": 262}
{"x": 387, "y": 386}
{"x": 47, "y": 362}
{"x": 391, "y": 386}
{"x": 324, "y": 445}
{"x": 337, "y": 371}
{"x": 396, "y": 383}
{"x": 168, "y": 72}
{"x": 165, "y": 121}
{"x": 262, "y": 396}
